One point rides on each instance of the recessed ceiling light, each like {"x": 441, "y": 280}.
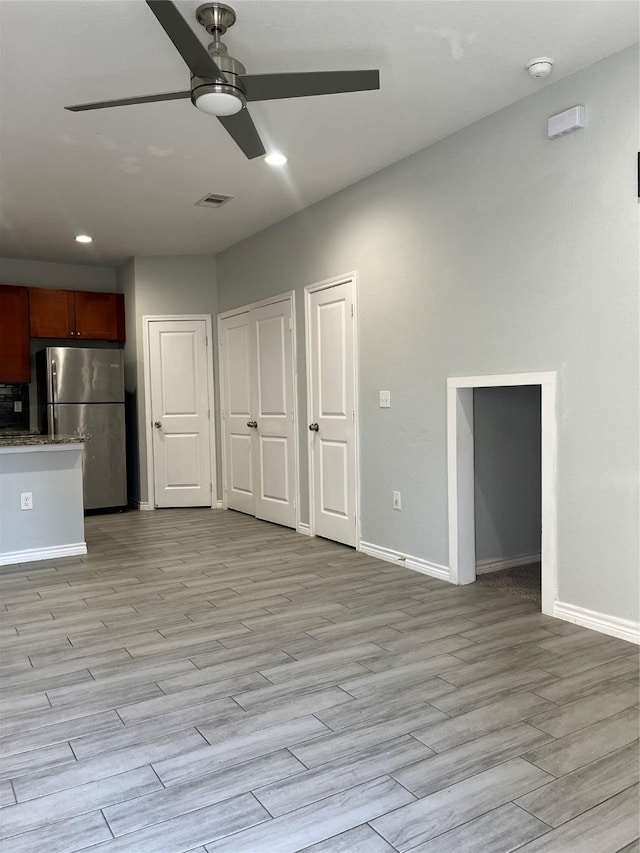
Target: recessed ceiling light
{"x": 84, "y": 238}
{"x": 275, "y": 159}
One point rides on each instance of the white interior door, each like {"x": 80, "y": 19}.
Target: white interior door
{"x": 236, "y": 363}
{"x": 180, "y": 413}
{"x": 273, "y": 408}
{"x": 331, "y": 383}
{"x": 259, "y": 449}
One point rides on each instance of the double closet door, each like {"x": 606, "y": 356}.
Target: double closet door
{"x": 258, "y": 412}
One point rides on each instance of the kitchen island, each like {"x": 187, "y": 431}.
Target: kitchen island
{"x": 45, "y": 472}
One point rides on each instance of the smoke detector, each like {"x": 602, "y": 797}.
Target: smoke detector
{"x": 540, "y": 67}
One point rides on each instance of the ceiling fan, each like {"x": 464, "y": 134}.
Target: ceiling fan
{"x": 220, "y": 85}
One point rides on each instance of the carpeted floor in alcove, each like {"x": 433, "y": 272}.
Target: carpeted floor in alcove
{"x": 524, "y": 581}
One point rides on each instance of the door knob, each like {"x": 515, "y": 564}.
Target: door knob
{"x": 157, "y": 424}
{"x": 252, "y": 424}
{"x": 314, "y": 427}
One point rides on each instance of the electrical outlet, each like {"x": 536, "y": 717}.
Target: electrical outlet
{"x": 397, "y": 501}
{"x": 26, "y": 500}
{"x": 385, "y": 399}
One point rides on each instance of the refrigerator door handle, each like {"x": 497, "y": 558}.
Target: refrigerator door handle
{"x": 54, "y": 398}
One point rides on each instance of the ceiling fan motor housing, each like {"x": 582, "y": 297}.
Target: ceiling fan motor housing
{"x": 230, "y": 67}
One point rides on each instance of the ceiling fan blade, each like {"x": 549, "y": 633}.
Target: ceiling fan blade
{"x": 124, "y": 102}
{"x": 185, "y": 40}
{"x": 269, "y": 87}
{"x": 243, "y": 131}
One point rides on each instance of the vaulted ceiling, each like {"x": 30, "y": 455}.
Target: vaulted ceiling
{"x": 130, "y": 176}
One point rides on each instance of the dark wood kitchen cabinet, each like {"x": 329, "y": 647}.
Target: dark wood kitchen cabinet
{"x": 15, "y": 362}
{"x": 51, "y": 313}
{"x": 76, "y": 315}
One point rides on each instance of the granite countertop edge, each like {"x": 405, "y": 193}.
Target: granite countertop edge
{"x": 36, "y": 440}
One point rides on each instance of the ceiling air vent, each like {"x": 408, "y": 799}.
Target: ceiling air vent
{"x": 214, "y": 200}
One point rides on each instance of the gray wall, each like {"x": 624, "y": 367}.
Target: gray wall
{"x": 54, "y": 477}
{"x": 126, "y": 285}
{"x": 493, "y": 251}
{"x": 161, "y": 285}
{"x": 506, "y": 428}
{"x": 54, "y": 275}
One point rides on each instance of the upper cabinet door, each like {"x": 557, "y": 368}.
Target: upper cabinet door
{"x": 99, "y": 316}
{"x": 15, "y": 364}
{"x": 76, "y": 315}
{"x": 52, "y": 313}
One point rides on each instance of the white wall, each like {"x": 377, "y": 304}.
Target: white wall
{"x": 160, "y": 285}
{"x": 507, "y": 447}
{"x": 493, "y": 251}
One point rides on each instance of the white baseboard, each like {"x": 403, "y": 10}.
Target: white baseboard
{"x": 496, "y": 565}
{"x": 624, "y": 629}
{"x": 434, "y": 570}
{"x": 141, "y": 505}
{"x": 30, "y": 555}
{"x": 218, "y": 505}
{"x": 303, "y": 528}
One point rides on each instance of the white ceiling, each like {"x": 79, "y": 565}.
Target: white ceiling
{"x": 130, "y": 176}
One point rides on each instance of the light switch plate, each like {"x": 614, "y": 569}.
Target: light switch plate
{"x": 385, "y": 399}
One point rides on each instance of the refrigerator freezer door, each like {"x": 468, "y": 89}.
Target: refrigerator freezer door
{"x": 85, "y": 375}
{"x": 104, "y": 470}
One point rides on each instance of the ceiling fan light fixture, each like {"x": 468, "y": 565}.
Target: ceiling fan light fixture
{"x": 215, "y": 101}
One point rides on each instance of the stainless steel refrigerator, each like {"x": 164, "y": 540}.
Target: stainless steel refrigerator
{"x": 81, "y": 392}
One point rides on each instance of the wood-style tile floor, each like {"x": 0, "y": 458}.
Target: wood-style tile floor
{"x": 202, "y": 681}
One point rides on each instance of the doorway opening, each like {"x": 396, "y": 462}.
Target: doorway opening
{"x": 507, "y": 446}
{"x": 485, "y": 499}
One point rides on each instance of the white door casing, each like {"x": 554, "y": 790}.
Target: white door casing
{"x": 258, "y": 410}
{"x": 331, "y": 388}
{"x": 179, "y": 384}
{"x": 273, "y": 407}
{"x": 237, "y": 401}
{"x": 461, "y": 484}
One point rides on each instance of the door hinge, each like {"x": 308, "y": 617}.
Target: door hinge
{"x": 355, "y": 520}
{"x": 352, "y": 309}
{"x": 290, "y": 324}
{"x": 353, "y": 416}
{"x": 206, "y": 340}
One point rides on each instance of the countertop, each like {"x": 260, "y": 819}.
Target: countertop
{"x": 31, "y": 440}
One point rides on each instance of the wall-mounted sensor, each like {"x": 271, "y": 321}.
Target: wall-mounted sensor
{"x": 540, "y": 67}
{"x": 565, "y": 122}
